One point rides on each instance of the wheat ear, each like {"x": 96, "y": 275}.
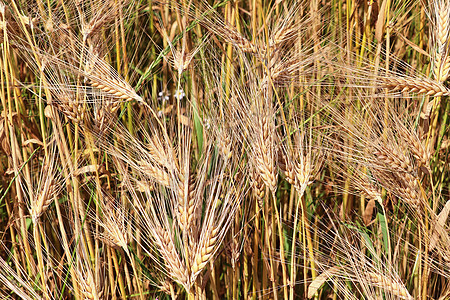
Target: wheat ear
{"x": 440, "y": 32}
{"x": 170, "y": 255}
{"x": 206, "y": 252}
{"x": 419, "y": 86}
{"x": 44, "y": 199}
{"x": 264, "y": 151}
{"x": 113, "y": 224}
{"x": 98, "y": 77}
{"x": 155, "y": 172}
{"x": 394, "y": 159}
{"x": 89, "y": 288}
{"x": 186, "y": 201}
{"x": 389, "y": 285}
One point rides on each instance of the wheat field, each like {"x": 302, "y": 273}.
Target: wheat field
{"x": 224, "y": 149}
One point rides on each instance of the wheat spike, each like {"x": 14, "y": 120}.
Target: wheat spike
{"x": 411, "y": 191}
{"x": 232, "y": 36}
{"x": 282, "y": 35}
{"x": 389, "y": 285}
{"x": 101, "y": 76}
{"x": 170, "y": 255}
{"x": 205, "y": 253}
{"x": 186, "y": 204}
{"x": 264, "y": 152}
{"x": 315, "y": 285}
{"x": 440, "y": 230}
{"x": 225, "y": 144}
{"x": 43, "y": 200}
{"x": 105, "y": 109}
{"x": 441, "y": 64}
{"x": 68, "y": 104}
{"x": 44, "y": 191}
{"x": 113, "y": 224}
{"x": 299, "y": 173}
{"x": 89, "y": 288}
{"x": 419, "y": 86}
{"x": 258, "y": 187}
{"x": 415, "y": 145}
{"x": 156, "y": 173}
{"x": 371, "y": 192}
{"x": 394, "y": 159}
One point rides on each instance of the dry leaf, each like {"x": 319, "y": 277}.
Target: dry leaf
{"x": 445, "y": 144}
{"x": 341, "y": 212}
{"x": 143, "y": 186}
{"x": 168, "y": 109}
{"x": 86, "y": 169}
{"x": 439, "y": 229}
{"x": 48, "y": 112}
{"x": 185, "y": 121}
{"x": 88, "y": 151}
{"x": 368, "y": 212}
{"x": 411, "y": 44}
{"x": 5, "y": 146}
{"x": 320, "y": 280}
{"x": 32, "y": 141}
{"x": 3, "y": 140}
{"x": 379, "y": 27}
{"x": 426, "y": 111}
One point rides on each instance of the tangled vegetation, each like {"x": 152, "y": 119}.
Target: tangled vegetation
{"x": 224, "y": 149}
